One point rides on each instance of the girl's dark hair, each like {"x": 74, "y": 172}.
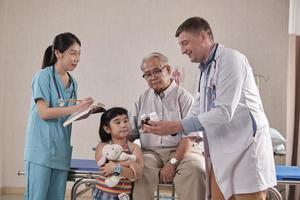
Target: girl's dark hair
{"x": 61, "y": 43}
{"x": 106, "y": 117}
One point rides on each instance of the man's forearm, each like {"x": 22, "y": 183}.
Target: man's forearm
{"x": 183, "y": 148}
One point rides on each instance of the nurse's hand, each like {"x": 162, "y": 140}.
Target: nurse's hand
{"x": 162, "y": 127}
{"x": 84, "y": 104}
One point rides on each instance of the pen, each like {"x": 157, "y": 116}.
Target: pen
{"x": 73, "y": 100}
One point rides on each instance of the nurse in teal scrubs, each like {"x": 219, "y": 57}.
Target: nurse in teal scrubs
{"x": 47, "y": 149}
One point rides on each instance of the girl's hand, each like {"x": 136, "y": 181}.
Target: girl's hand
{"x": 108, "y": 168}
{"x": 125, "y": 163}
{"x": 85, "y": 104}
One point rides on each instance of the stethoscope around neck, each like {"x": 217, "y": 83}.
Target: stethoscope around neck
{"x": 61, "y": 101}
{"x": 212, "y": 60}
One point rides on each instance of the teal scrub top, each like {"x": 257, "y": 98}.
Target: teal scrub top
{"x": 47, "y": 141}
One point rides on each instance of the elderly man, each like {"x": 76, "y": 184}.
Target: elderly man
{"x": 172, "y": 158}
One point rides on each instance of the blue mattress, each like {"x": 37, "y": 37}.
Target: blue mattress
{"x": 84, "y": 165}
{"x": 287, "y": 172}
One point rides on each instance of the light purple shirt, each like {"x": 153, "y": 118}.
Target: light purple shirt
{"x": 172, "y": 104}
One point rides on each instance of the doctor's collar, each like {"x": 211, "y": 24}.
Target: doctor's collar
{"x": 210, "y": 57}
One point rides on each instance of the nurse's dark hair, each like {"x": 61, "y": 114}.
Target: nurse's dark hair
{"x": 106, "y": 117}
{"x": 61, "y": 43}
{"x": 195, "y": 25}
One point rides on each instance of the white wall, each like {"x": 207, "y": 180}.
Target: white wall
{"x": 1, "y": 131}
{"x": 294, "y": 17}
{"x": 115, "y": 36}
{"x": 1, "y": 99}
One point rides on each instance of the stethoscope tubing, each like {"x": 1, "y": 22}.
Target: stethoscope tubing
{"x": 213, "y": 60}
{"x": 60, "y": 99}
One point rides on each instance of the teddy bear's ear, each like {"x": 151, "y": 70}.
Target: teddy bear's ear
{"x": 101, "y": 161}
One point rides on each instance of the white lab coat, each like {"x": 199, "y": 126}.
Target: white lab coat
{"x": 242, "y": 162}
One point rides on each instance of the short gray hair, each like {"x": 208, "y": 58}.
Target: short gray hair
{"x": 163, "y": 59}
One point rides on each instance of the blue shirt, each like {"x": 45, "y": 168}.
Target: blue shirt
{"x": 47, "y": 141}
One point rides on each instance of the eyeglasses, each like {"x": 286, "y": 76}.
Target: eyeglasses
{"x": 156, "y": 73}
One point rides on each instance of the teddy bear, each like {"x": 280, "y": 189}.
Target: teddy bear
{"x": 113, "y": 152}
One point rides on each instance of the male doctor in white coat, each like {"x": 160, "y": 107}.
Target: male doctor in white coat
{"x": 228, "y": 109}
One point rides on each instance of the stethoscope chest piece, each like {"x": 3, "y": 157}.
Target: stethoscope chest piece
{"x": 60, "y": 102}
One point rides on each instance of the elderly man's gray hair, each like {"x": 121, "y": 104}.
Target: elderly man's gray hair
{"x": 163, "y": 59}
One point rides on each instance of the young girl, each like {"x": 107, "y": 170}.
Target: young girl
{"x": 114, "y": 129}
{"x": 47, "y": 149}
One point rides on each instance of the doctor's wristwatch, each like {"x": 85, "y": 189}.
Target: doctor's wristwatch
{"x": 173, "y": 161}
{"x": 117, "y": 170}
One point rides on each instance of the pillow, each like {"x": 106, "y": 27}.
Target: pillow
{"x": 276, "y": 137}
{"x": 278, "y": 141}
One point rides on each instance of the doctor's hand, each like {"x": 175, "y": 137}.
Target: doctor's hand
{"x": 167, "y": 173}
{"x": 163, "y": 127}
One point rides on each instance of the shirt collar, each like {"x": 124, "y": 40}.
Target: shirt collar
{"x": 209, "y": 58}
{"x": 167, "y": 91}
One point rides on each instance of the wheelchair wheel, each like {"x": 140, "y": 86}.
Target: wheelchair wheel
{"x": 273, "y": 194}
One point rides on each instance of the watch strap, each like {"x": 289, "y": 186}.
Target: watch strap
{"x": 173, "y": 161}
{"x": 117, "y": 170}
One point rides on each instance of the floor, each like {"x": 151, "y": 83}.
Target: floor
{"x": 165, "y": 194}
{"x": 20, "y": 197}
{"x": 10, "y": 197}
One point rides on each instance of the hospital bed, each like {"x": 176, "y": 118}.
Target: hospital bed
{"x": 287, "y": 175}
{"x": 85, "y": 172}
